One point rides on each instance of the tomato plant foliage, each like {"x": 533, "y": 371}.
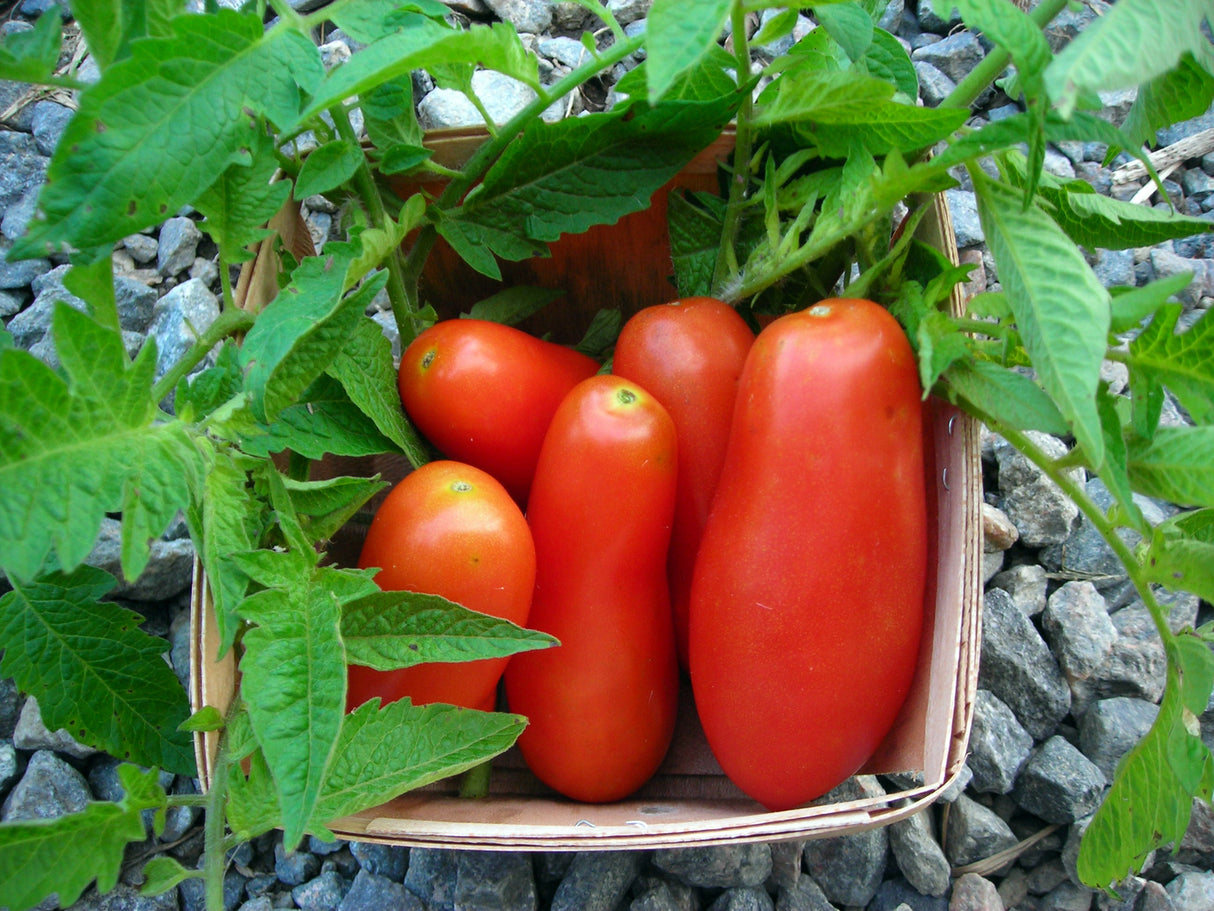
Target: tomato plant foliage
{"x": 207, "y": 109}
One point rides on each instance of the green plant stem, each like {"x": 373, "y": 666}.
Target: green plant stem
{"x": 225, "y": 283}
{"x": 1094, "y": 514}
{"x": 404, "y": 306}
{"x": 726, "y": 266}
{"x": 994, "y": 63}
{"x": 230, "y": 322}
{"x": 215, "y": 858}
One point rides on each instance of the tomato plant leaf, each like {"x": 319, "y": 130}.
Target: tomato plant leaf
{"x": 1133, "y": 305}
{"x": 326, "y": 167}
{"x": 324, "y": 420}
{"x": 387, "y": 630}
{"x": 1172, "y": 97}
{"x": 329, "y": 504}
{"x": 1061, "y": 310}
{"x": 1009, "y": 397}
{"x": 850, "y": 26}
{"x": 109, "y": 26}
{"x": 299, "y": 333}
{"x": 63, "y": 856}
{"x": 1134, "y": 42}
{"x": 419, "y": 42}
{"x": 565, "y": 177}
{"x": 252, "y": 800}
{"x": 1114, "y": 469}
{"x": 1010, "y": 27}
{"x": 1176, "y": 465}
{"x": 95, "y": 673}
{"x": 833, "y": 110}
{"x": 695, "y": 222}
{"x": 1182, "y": 361}
{"x": 367, "y": 373}
{"x": 162, "y": 873}
{"x": 512, "y": 305}
{"x": 678, "y": 34}
{"x": 1096, "y": 221}
{"x": 73, "y": 450}
{"x": 390, "y": 117}
{"x": 32, "y": 55}
{"x": 1151, "y": 799}
{"x": 197, "y": 94}
{"x": 887, "y": 59}
{"x": 295, "y": 686}
{"x": 1181, "y": 553}
{"x": 223, "y": 521}
{"x": 237, "y": 206}
{"x": 383, "y": 752}
{"x": 369, "y": 20}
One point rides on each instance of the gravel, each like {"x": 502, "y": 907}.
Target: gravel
{"x": 1071, "y": 669}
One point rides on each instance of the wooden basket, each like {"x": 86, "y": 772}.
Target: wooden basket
{"x": 689, "y": 801}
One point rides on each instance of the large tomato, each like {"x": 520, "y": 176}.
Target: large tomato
{"x": 483, "y": 393}
{"x": 601, "y": 706}
{"x": 689, "y": 355}
{"x": 807, "y": 601}
{"x": 448, "y": 529}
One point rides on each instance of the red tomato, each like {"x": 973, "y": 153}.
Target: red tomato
{"x": 448, "y": 529}
{"x": 483, "y": 393}
{"x": 807, "y": 601}
{"x": 601, "y": 706}
{"x": 689, "y": 355}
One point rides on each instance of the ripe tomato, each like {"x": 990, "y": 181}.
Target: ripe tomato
{"x": 689, "y": 355}
{"x": 483, "y": 393}
{"x": 601, "y": 706}
{"x": 448, "y": 529}
{"x": 807, "y": 601}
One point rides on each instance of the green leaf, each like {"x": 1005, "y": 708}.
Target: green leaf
{"x": 94, "y": 284}
{"x": 1009, "y": 397}
{"x": 511, "y": 306}
{"x": 1114, "y": 469}
{"x": 328, "y": 167}
{"x": 1133, "y": 305}
{"x": 678, "y": 34}
{"x": 369, "y": 20}
{"x": 1061, "y": 309}
{"x": 69, "y": 454}
{"x": 1150, "y": 802}
{"x": 1102, "y": 222}
{"x": 1182, "y": 361}
{"x": 207, "y": 718}
{"x": 695, "y": 222}
{"x": 238, "y": 205}
{"x": 420, "y": 42}
{"x": 887, "y": 59}
{"x": 1172, "y": 97}
{"x": 33, "y": 55}
{"x": 1181, "y": 553}
{"x": 376, "y": 244}
{"x": 601, "y": 334}
{"x": 323, "y": 421}
{"x": 159, "y": 127}
{"x": 833, "y": 110}
{"x": 299, "y": 333}
{"x": 63, "y": 855}
{"x": 400, "y": 159}
{"x": 294, "y": 682}
{"x": 390, "y": 117}
{"x": 162, "y": 873}
{"x": 383, "y": 753}
{"x": 109, "y": 26}
{"x": 329, "y": 504}
{"x": 565, "y": 177}
{"x": 778, "y": 26}
{"x": 1176, "y": 465}
{"x": 1010, "y": 27}
{"x": 95, "y": 673}
{"x": 849, "y": 25}
{"x": 225, "y": 520}
{"x": 1132, "y": 43}
{"x": 388, "y": 630}
{"x": 252, "y": 800}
